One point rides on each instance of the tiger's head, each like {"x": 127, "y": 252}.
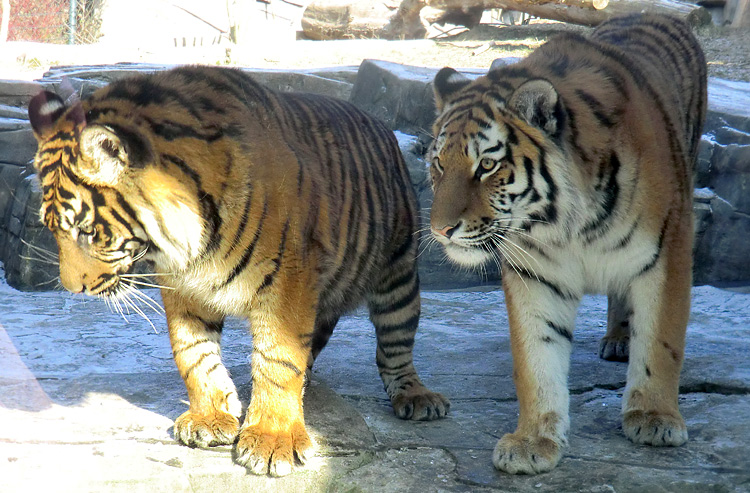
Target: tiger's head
{"x": 84, "y": 172}
{"x": 490, "y": 163}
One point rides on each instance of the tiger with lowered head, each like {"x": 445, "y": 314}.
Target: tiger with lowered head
{"x": 287, "y": 209}
{"x": 573, "y": 169}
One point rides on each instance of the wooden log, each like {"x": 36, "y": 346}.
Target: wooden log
{"x": 406, "y": 23}
{"x": 341, "y": 19}
{"x": 585, "y": 12}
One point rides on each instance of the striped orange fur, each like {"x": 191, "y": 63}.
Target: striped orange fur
{"x": 573, "y": 169}
{"x": 286, "y": 209}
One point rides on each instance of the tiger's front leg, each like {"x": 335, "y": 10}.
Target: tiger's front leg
{"x": 661, "y": 308}
{"x": 215, "y": 409}
{"x": 273, "y": 437}
{"x": 541, "y": 317}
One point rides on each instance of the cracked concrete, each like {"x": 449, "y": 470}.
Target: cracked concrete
{"x": 87, "y": 402}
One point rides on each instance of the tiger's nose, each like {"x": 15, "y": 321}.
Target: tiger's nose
{"x": 447, "y": 231}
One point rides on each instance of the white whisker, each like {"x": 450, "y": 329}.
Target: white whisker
{"x": 148, "y": 284}
{"x": 522, "y": 251}
{"x": 43, "y": 252}
{"x": 148, "y": 274}
{"x": 39, "y": 260}
{"x": 509, "y": 260}
{"x": 144, "y": 298}
{"x": 44, "y": 283}
{"x": 126, "y": 299}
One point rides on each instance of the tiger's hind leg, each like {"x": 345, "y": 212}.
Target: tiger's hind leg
{"x": 394, "y": 310}
{"x": 195, "y": 334}
{"x": 614, "y": 346}
{"x": 323, "y": 331}
{"x": 661, "y": 307}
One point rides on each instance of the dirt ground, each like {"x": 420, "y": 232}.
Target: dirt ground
{"x": 727, "y": 51}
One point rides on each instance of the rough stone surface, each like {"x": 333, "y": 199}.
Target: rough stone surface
{"x": 336, "y": 81}
{"x": 723, "y": 207}
{"x": 27, "y": 247}
{"x": 87, "y": 402}
{"x": 17, "y": 146}
{"x": 400, "y": 95}
{"x": 17, "y": 93}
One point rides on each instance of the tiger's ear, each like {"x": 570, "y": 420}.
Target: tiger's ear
{"x": 46, "y": 108}
{"x": 538, "y": 103}
{"x": 104, "y": 156}
{"x": 447, "y": 82}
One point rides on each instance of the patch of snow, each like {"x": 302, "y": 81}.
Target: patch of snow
{"x": 710, "y": 138}
{"x": 405, "y": 141}
{"x": 705, "y": 194}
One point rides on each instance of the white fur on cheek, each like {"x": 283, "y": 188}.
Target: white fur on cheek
{"x": 184, "y": 231}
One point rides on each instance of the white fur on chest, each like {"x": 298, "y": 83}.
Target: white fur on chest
{"x": 207, "y": 283}
{"x": 601, "y": 266}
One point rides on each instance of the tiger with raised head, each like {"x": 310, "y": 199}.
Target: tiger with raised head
{"x": 573, "y": 168}
{"x": 287, "y": 209}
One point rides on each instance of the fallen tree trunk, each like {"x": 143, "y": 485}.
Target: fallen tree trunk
{"x": 413, "y": 17}
{"x": 339, "y": 19}
{"x": 406, "y": 23}
{"x": 585, "y": 12}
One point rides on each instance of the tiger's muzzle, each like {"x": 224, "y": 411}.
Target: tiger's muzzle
{"x": 82, "y": 273}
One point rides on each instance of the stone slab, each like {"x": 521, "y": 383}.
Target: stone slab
{"x": 18, "y": 92}
{"x": 87, "y": 402}
{"x": 7, "y": 111}
{"x": 18, "y": 146}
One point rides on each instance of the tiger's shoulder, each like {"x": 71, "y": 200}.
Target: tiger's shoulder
{"x": 584, "y": 89}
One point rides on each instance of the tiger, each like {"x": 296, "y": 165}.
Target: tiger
{"x": 286, "y": 209}
{"x": 572, "y": 169}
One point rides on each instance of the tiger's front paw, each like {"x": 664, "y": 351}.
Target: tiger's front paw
{"x": 654, "y": 428}
{"x": 206, "y": 430}
{"x": 420, "y": 404}
{"x": 522, "y": 454}
{"x": 263, "y": 451}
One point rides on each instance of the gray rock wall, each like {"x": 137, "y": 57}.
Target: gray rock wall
{"x": 401, "y": 96}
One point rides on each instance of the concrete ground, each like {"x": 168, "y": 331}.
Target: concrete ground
{"x": 87, "y": 402}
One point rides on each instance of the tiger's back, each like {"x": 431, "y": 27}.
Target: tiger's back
{"x": 573, "y": 167}
{"x": 300, "y": 158}
{"x": 670, "y": 59}
{"x": 286, "y": 209}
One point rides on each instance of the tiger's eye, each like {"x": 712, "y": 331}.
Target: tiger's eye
{"x": 487, "y": 163}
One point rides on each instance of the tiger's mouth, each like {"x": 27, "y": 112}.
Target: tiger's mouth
{"x": 469, "y": 256}
{"x": 107, "y": 286}
{"x": 113, "y": 284}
